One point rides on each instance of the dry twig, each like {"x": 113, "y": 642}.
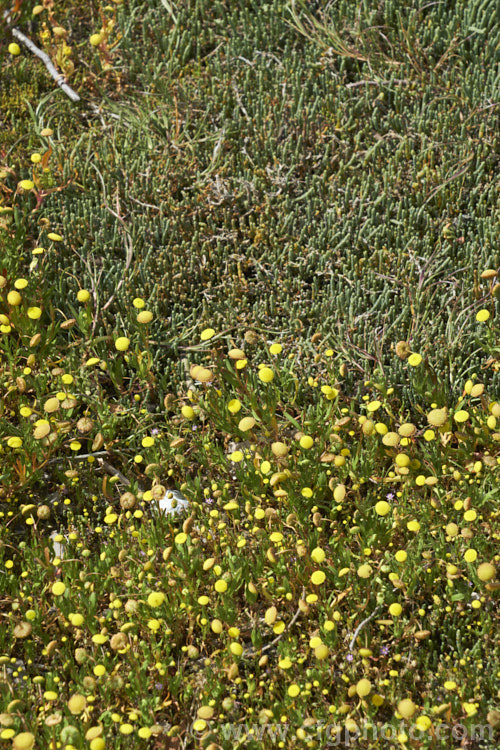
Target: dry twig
{"x": 56, "y": 75}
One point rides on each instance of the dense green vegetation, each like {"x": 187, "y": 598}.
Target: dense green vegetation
{"x": 256, "y": 263}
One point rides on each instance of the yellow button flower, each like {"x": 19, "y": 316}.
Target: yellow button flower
{"x": 390, "y": 439}
{"x": 402, "y": 460}
{"x": 77, "y": 703}
{"x": 363, "y": 688}
{"x": 414, "y": 360}
{"x": 279, "y": 449}
{"x": 205, "y": 712}
{"x": 14, "y": 442}
{"x": 266, "y": 374}
{"x": 321, "y": 652}
{"x": 246, "y": 424}
{"x": 306, "y": 442}
{"x": 482, "y": 316}
{"x": 96, "y": 39}
{"x": 318, "y": 555}
{"x": 318, "y": 577}
{"x": 122, "y": 343}
{"x": 24, "y": 740}
{"x": 395, "y": 609}
{"x": 207, "y": 334}
{"x": 486, "y": 572}
{"x": 406, "y": 708}
{"x": 14, "y": 298}
{"x": 156, "y": 598}
{"x": 423, "y": 722}
{"x": 365, "y": 571}
{"x": 470, "y": 555}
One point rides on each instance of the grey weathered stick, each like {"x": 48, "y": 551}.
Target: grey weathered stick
{"x": 56, "y": 75}
{"x": 81, "y": 456}
{"x": 114, "y": 472}
{"x": 362, "y": 625}
{"x": 253, "y": 652}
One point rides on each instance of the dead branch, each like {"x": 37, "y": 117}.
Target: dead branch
{"x": 56, "y": 75}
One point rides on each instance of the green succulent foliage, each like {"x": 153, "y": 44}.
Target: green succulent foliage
{"x": 313, "y": 168}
